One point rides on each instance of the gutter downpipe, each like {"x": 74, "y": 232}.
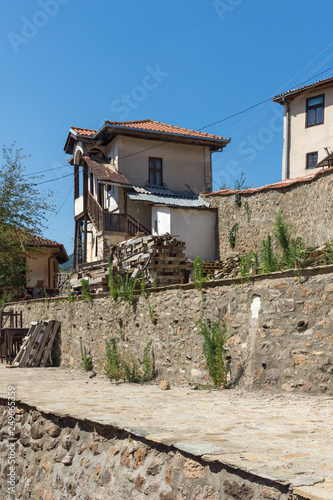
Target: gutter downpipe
{"x": 287, "y": 139}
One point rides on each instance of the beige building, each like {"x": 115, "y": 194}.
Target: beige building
{"x": 43, "y": 262}
{"x": 141, "y": 176}
{"x": 308, "y": 127}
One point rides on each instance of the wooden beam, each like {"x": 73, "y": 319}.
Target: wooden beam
{"x": 76, "y": 181}
{"x": 75, "y": 244}
{"x": 85, "y": 240}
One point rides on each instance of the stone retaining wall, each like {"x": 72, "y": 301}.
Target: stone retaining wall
{"x": 307, "y": 205}
{"x": 62, "y": 458}
{"x": 280, "y": 331}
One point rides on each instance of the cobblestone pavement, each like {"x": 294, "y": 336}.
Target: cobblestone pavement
{"x": 286, "y": 437}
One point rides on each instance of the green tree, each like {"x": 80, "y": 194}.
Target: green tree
{"x": 23, "y": 213}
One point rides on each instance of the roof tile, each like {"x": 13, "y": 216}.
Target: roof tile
{"x": 275, "y": 185}
{"x": 151, "y": 126}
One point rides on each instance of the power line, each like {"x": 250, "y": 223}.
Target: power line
{"x": 51, "y": 180}
{"x": 263, "y": 102}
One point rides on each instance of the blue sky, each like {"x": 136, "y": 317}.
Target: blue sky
{"x": 70, "y": 62}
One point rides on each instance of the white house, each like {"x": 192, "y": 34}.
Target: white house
{"x": 141, "y": 176}
{"x": 308, "y": 127}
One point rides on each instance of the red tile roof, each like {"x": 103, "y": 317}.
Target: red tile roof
{"x": 154, "y": 126}
{"x": 38, "y": 240}
{"x": 83, "y": 131}
{"x": 151, "y": 126}
{"x": 275, "y": 185}
{"x": 34, "y": 240}
{"x": 327, "y": 82}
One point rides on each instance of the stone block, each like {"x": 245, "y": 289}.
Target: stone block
{"x": 193, "y": 469}
{"x": 237, "y": 490}
{"x": 285, "y": 305}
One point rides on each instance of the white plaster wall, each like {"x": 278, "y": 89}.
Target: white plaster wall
{"x": 197, "y": 229}
{"x": 182, "y": 164}
{"x": 111, "y": 200}
{"x": 162, "y": 216}
{"x": 78, "y": 205}
{"x": 304, "y": 139}
{"x": 140, "y": 212}
{"x": 112, "y": 152}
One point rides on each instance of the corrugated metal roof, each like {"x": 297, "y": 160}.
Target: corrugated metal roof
{"x": 326, "y": 81}
{"x": 159, "y": 195}
{"x": 104, "y": 171}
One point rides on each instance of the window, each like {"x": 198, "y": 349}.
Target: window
{"x": 155, "y": 172}
{"x": 315, "y": 110}
{"x": 311, "y": 160}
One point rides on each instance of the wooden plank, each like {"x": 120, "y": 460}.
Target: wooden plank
{"x": 54, "y": 331}
{"x": 28, "y": 344}
{"x": 40, "y": 350}
{"x": 34, "y": 345}
{"x": 25, "y": 343}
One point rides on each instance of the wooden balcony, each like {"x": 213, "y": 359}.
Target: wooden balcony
{"x": 110, "y": 222}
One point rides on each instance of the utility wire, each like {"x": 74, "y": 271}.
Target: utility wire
{"x": 51, "y": 180}
{"x": 263, "y": 102}
{"x": 48, "y": 170}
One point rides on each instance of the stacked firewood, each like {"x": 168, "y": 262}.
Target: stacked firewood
{"x": 228, "y": 268}
{"x": 167, "y": 262}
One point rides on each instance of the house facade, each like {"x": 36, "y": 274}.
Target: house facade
{"x": 141, "y": 176}
{"x": 308, "y": 128}
{"x": 43, "y": 261}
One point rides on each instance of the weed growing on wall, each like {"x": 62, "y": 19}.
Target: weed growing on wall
{"x": 87, "y": 360}
{"x": 247, "y": 211}
{"x": 215, "y": 337}
{"x": 143, "y": 285}
{"x": 293, "y": 250}
{"x": 129, "y": 369}
{"x": 246, "y": 265}
{"x": 233, "y": 234}
{"x": 112, "y": 281}
{"x": 122, "y": 288}
{"x": 238, "y": 200}
{"x": 269, "y": 260}
{"x": 152, "y": 314}
{"x": 86, "y": 290}
{"x": 329, "y": 253}
{"x": 126, "y": 288}
{"x": 112, "y": 367}
{"x": 148, "y": 364}
{"x": 199, "y": 277}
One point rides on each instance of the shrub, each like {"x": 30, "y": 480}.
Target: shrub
{"x": 113, "y": 369}
{"x": 214, "y": 350}
{"x": 86, "y": 290}
{"x": 246, "y": 265}
{"x": 233, "y": 234}
{"x": 199, "y": 278}
{"x": 87, "y": 362}
{"x": 328, "y": 259}
{"x": 126, "y": 288}
{"x": 152, "y": 314}
{"x": 129, "y": 368}
{"x": 112, "y": 282}
{"x": 269, "y": 261}
{"x": 143, "y": 285}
